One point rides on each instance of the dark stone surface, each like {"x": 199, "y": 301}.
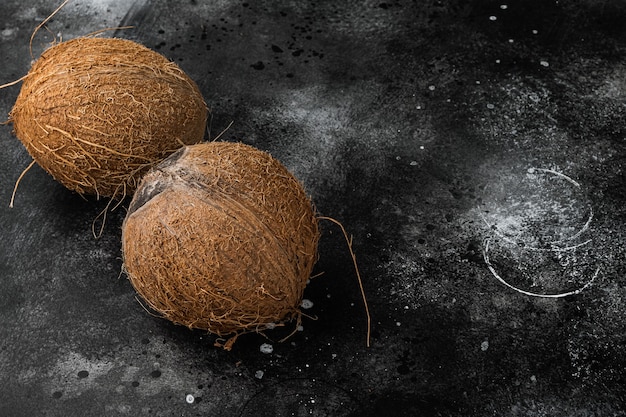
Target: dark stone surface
{"x": 415, "y": 123}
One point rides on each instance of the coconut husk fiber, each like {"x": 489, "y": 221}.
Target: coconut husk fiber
{"x": 222, "y": 237}
{"x": 97, "y": 113}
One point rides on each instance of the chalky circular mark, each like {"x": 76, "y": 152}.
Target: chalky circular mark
{"x": 524, "y": 241}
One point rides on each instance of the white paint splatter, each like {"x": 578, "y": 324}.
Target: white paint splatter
{"x": 8, "y": 33}
{"x": 266, "y": 348}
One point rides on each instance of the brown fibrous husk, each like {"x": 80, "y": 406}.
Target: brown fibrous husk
{"x": 222, "y": 237}
{"x": 97, "y": 113}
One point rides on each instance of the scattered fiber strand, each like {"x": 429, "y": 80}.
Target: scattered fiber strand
{"x": 97, "y": 113}
{"x": 222, "y": 237}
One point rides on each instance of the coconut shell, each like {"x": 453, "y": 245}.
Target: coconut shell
{"x": 97, "y": 113}
{"x": 221, "y": 237}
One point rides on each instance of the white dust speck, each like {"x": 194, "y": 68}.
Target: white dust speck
{"x": 544, "y": 63}
{"x": 259, "y": 374}
{"x": 413, "y": 163}
{"x": 493, "y": 18}
{"x": 28, "y": 14}
{"x": 266, "y": 348}
{"x": 490, "y": 106}
{"x": 504, "y": 6}
{"x": 190, "y": 399}
{"x": 7, "y": 33}
{"x": 306, "y": 304}
{"x": 484, "y": 346}
{"x": 431, "y": 87}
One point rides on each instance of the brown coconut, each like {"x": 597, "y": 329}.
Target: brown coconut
{"x": 97, "y": 113}
{"x": 221, "y": 237}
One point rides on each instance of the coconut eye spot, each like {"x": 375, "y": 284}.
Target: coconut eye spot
{"x": 147, "y": 193}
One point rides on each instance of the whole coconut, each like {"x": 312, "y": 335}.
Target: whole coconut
{"x": 97, "y": 113}
{"x": 221, "y": 236}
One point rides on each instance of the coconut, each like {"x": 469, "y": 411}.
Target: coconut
{"x": 222, "y": 237}
{"x": 97, "y": 113}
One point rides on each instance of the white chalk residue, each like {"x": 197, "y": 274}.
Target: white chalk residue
{"x": 539, "y": 225}
{"x": 74, "y": 374}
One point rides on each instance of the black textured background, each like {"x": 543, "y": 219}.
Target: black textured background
{"x": 415, "y": 123}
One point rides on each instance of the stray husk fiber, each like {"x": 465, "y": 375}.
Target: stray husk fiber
{"x": 221, "y": 237}
{"x": 97, "y": 113}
